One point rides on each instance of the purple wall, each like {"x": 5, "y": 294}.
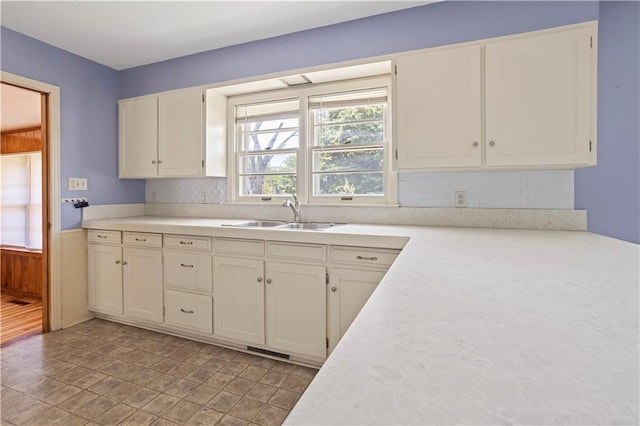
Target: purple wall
{"x": 611, "y": 191}
{"x": 88, "y": 119}
{"x": 416, "y": 28}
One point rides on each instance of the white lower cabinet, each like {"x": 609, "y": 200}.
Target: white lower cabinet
{"x": 238, "y": 298}
{"x": 189, "y": 311}
{"x": 349, "y": 290}
{"x": 296, "y": 308}
{"x": 105, "y": 278}
{"x": 142, "y": 277}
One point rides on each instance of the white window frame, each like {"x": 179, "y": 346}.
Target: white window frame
{"x": 305, "y": 153}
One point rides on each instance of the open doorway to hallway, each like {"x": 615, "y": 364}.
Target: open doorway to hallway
{"x": 24, "y": 214}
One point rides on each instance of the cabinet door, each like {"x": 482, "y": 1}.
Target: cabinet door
{"x": 349, "y": 290}
{"x": 138, "y": 138}
{"x": 438, "y": 109}
{"x": 296, "y": 308}
{"x": 143, "y": 283}
{"x": 181, "y": 134}
{"x": 105, "y": 279}
{"x": 538, "y": 100}
{"x": 238, "y": 299}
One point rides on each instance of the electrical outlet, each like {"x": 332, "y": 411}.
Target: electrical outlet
{"x": 77, "y": 184}
{"x": 461, "y": 198}
{"x": 203, "y": 197}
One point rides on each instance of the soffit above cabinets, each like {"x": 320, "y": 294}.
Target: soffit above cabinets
{"x": 316, "y": 77}
{"x": 126, "y": 34}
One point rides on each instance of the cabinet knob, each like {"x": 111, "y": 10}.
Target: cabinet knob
{"x": 124, "y": 263}
{"x": 492, "y": 143}
{"x": 159, "y": 161}
{"x": 259, "y": 279}
{"x": 475, "y": 144}
{"x": 153, "y": 161}
{"x": 268, "y": 280}
{"x": 117, "y": 262}
{"x": 334, "y": 289}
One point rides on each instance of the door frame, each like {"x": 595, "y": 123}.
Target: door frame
{"x": 54, "y": 255}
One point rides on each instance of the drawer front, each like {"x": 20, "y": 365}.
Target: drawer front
{"x": 109, "y": 237}
{"x": 188, "y": 271}
{"x": 294, "y": 251}
{"x": 143, "y": 239}
{"x": 363, "y": 256}
{"x": 191, "y": 311}
{"x": 188, "y": 242}
{"x": 238, "y": 246}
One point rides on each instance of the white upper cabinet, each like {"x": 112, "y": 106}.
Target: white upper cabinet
{"x": 517, "y": 102}
{"x": 438, "y": 114}
{"x": 165, "y": 136}
{"x": 538, "y": 100}
{"x": 138, "y": 137}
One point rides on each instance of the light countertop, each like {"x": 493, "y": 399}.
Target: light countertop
{"x": 474, "y": 326}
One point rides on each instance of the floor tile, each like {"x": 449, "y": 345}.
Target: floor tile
{"x": 104, "y": 373}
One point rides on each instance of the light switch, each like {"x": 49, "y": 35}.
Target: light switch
{"x": 77, "y": 184}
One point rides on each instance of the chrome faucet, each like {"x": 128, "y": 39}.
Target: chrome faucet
{"x": 295, "y": 207}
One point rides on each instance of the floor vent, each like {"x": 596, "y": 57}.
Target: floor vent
{"x": 266, "y": 352}
{"x": 19, "y": 302}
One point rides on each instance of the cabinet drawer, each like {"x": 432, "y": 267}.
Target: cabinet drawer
{"x": 188, "y": 242}
{"x": 190, "y": 271}
{"x": 142, "y": 239}
{"x": 99, "y": 236}
{"x": 294, "y": 251}
{"x": 363, "y": 256}
{"x": 187, "y": 310}
{"x": 238, "y": 246}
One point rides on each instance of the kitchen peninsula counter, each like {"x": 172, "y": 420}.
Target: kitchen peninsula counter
{"x": 472, "y": 326}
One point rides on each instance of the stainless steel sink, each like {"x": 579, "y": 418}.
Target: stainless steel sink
{"x": 304, "y": 226}
{"x": 309, "y": 226}
{"x": 259, "y": 224}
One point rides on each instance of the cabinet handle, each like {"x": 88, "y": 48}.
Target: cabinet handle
{"x": 153, "y": 161}
{"x": 334, "y": 289}
{"x": 186, "y": 312}
{"x": 188, "y": 243}
{"x": 475, "y": 144}
{"x": 117, "y": 262}
{"x": 492, "y": 143}
{"x": 186, "y": 266}
{"x": 366, "y": 258}
{"x": 102, "y": 236}
{"x": 259, "y": 279}
{"x": 268, "y": 280}
{"x": 159, "y": 161}
{"x": 143, "y": 240}
{"x": 124, "y": 263}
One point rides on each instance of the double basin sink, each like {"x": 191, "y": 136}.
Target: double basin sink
{"x": 305, "y": 226}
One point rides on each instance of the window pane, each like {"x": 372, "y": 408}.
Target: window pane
{"x": 254, "y": 140}
{"x": 350, "y": 114}
{"x": 349, "y": 184}
{"x": 351, "y": 133}
{"x": 363, "y": 159}
{"x": 268, "y": 185}
{"x": 268, "y": 163}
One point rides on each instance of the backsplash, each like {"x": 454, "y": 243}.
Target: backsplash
{"x": 547, "y": 189}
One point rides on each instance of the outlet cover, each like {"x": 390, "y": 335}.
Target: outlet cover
{"x": 461, "y": 198}
{"x": 77, "y": 184}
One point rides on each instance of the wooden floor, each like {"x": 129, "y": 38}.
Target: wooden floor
{"x": 19, "y": 320}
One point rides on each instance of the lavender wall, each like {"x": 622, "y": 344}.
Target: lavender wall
{"x": 611, "y": 191}
{"x": 416, "y": 28}
{"x": 88, "y": 119}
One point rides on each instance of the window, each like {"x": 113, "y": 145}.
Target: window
{"x": 327, "y": 143}
{"x": 21, "y": 187}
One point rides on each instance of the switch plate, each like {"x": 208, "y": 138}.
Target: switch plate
{"x": 461, "y": 199}
{"x": 77, "y": 184}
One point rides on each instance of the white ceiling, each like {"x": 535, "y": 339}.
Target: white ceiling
{"x": 125, "y": 34}
{"x": 20, "y": 108}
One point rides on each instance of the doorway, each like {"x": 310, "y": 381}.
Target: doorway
{"x": 24, "y": 189}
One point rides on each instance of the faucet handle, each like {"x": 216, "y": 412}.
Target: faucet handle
{"x": 296, "y": 200}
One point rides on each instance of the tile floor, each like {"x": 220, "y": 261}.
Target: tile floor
{"x": 100, "y": 372}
